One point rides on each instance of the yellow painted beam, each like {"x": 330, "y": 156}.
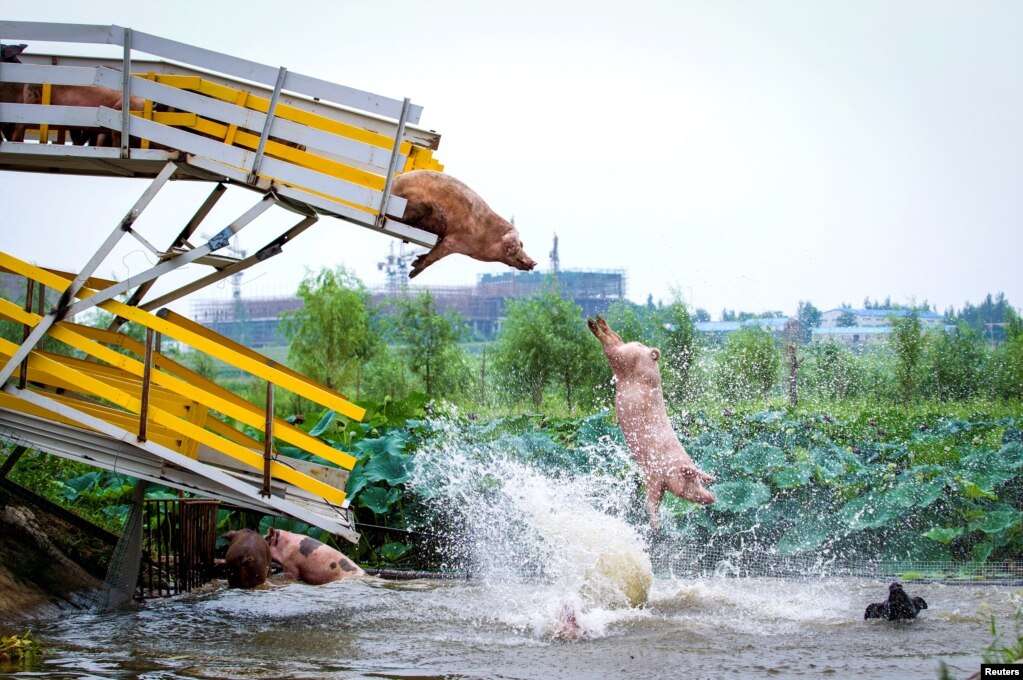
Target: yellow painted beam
{"x": 191, "y": 386}
{"x": 215, "y": 346}
{"x": 187, "y": 429}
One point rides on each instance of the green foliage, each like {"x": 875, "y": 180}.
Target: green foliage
{"x": 545, "y": 343}
{"x": 331, "y": 335}
{"x": 429, "y": 344}
{"x": 15, "y": 648}
{"x": 907, "y": 342}
{"x": 1007, "y": 360}
{"x": 748, "y": 364}
{"x": 680, "y": 346}
{"x": 953, "y": 364}
{"x": 809, "y": 317}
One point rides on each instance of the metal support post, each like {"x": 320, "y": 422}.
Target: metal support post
{"x": 265, "y": 253}
{"x": 29, "y": 293}
{"x": 12, "y": 460}
{"x": 126, "y": 95}
{"x": 268, "y": 438}
{"x": 215, "y": 243}
{"x": 267, "y": 124}
{"x": 392, "y": 167}
{"x": 64, "y": 306}
{"x": 147, "y": 383}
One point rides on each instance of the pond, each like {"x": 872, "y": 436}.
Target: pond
{"x": 708, "y": 628}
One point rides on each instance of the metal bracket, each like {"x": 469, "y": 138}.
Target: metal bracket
{"x": 270, "y": 112}
{"x": 126, "y": 95}
{"x": 392, "y": 167}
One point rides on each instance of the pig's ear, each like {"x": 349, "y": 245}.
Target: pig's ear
{"x": 655, "y": 353}
{"x": 512, "y": 245}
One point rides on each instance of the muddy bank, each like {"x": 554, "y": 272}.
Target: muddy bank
{"x": 47, "y": 564}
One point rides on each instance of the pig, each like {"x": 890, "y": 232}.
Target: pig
{"x": 639, "y": 403}
{"x": 306, "y": 559}
{"x": 248, "y": 559}
{"x": 898, "y": 607}
{"x": 463, "y": 222}
{"x": 80, "y": 95}
{"x": 10, "y": 93}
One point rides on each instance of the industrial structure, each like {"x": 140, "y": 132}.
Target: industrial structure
{"x": 254, "y": 322}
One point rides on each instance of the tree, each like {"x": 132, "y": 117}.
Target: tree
{"x": 1008, "y": 359}
{"x": 748, "y": 364}
{"x": 331, "y": 335}
{"x": 954, "y": 363}
{"x": 680, "y": 346}
{"x": 846, "y": 319}
{"x": 907, "y": 341}
{"x": 701, "y": 315}
{"x": 430, "y": 341}
{"x": 809, "y": 317}
{"x": 543, "y": 342}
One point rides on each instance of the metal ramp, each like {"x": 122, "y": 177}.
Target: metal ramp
{"x": 312, "y": 147}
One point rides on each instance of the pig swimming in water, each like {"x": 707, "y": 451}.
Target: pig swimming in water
{"x": 462, "y": 221}
{"x": 247, "y": 559}
{"x": 309, "y": 560}
{"x": 639, "y": 403}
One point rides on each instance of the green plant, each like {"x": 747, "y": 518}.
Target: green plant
{"x": 19, "y": 648}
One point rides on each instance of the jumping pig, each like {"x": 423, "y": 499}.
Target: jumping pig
{"x": 309, "y": 560}
{"x": 464, "y": 223}
{"x": 248, "y": 559}
{"x": 651, "y": 439}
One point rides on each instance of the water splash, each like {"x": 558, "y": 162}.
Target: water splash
{"x": 552, "y": 543}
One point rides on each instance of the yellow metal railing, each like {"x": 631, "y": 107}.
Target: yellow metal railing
{"x": 417, "y": 157}
{"x": 177, "y": 406}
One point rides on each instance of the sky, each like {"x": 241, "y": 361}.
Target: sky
{"x": 735, "y": 155}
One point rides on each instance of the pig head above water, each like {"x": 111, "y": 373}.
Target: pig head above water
{"x": 309, "y": 560}
{"x": 462, "y": 221}
{"x": 639, "y": 403}
{"x": 247, "y": 560}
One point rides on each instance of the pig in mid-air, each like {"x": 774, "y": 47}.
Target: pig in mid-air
{"x": 462, "y": 221}
{"x": 247, "y": 560}
{"x": 639, "y": 402}
{"x": 309, "y": 560}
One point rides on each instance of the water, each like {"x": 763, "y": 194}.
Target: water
{"x": 714, "y": 628}
{"x": 563, "y": 586}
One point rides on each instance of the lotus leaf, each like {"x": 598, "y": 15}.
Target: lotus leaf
{"x": 944, "y": 534}
{"x": 321, "y": 426}
{"x": 741, "y": 496}
{"x": 869, "y": 512}
{"x": 793, "y": 476}
{"x": 392, "y": 552}
{"x": 806, "y": 536}
{"x": 758, "y": 459}
{"x": 998, "y": 520}
{"x": 378, "y": 499}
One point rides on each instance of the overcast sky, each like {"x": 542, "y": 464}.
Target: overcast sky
{"x": 745, "y": 155}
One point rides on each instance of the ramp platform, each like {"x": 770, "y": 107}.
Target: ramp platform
{"x": 185, "y": 113}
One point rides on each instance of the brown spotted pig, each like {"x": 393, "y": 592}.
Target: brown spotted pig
{"x": 309, "y": 560}
{"x": 462, "y": 221}
{"x": 248, "y": 559}
{"x": 639, "y": 402}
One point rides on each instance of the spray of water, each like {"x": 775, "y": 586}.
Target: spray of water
{"x": 550, "y": 543}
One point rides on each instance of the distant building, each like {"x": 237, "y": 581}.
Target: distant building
{"x": 255, "y": 321}
{"x": 775, "y": 324}
{"x": 877, "y": 317}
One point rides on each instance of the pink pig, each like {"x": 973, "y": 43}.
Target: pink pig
{"x": 309, "y": 560}
{"x": 464, "y": 223}
{"x": 639, "y": 402}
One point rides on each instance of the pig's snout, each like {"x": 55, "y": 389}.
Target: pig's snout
{"x": 525, "y": 263}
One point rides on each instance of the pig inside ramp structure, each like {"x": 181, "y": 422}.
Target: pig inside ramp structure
{"x": 306, "y": 145}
